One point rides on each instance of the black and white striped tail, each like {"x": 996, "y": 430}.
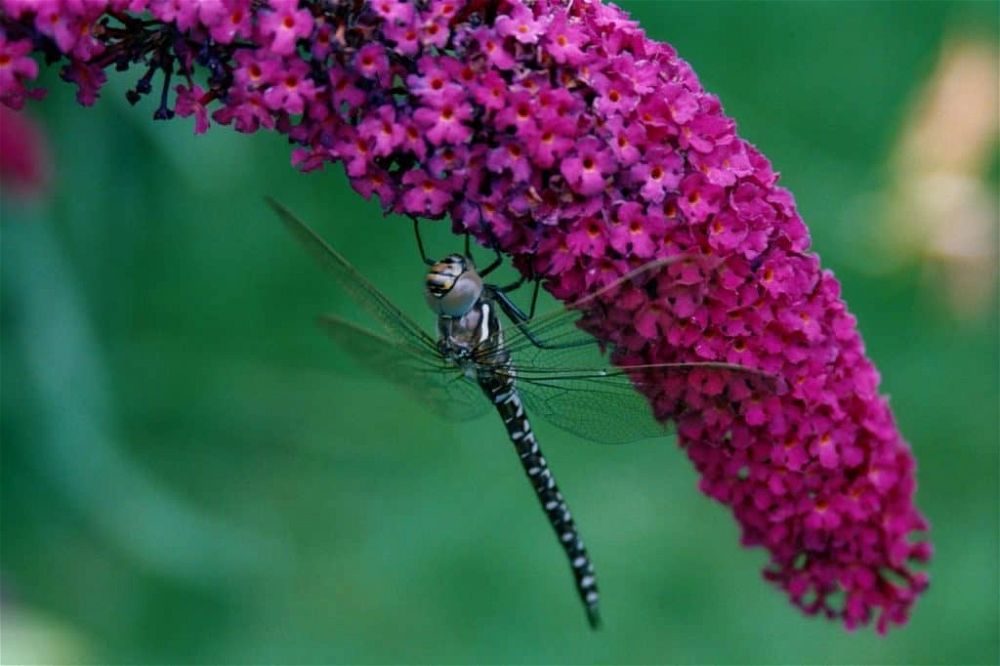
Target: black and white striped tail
{"x": 503, "y": 394}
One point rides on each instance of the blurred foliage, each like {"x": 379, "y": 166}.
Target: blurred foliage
{"x": 191, "y": 472}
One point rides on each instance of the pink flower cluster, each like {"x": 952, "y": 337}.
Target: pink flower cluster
{"x": 24, "y": 156}
{"x": 560, "y": 132}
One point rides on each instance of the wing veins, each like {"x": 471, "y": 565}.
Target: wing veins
{"x": 569, "y": 312}
{"x": 363, "y": 292}
{"x": 425, "y": 377}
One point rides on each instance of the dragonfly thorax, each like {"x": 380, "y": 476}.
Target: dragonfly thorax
{"x": 459, "y": 336}
{"x": 473, "y": 339}
{"x": 453, "y": 286}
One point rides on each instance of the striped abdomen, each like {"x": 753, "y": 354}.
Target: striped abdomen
{"x": 502, "y": 393}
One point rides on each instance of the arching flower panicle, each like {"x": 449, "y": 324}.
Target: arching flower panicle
{"x": 561, "y": 133}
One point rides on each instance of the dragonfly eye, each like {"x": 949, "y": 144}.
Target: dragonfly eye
{"x": 453, "y": 286}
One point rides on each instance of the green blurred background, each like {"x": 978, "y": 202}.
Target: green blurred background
{"x": 192, "y": 472}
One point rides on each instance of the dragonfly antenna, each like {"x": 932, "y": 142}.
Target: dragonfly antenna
{"x": 420, "y": 242}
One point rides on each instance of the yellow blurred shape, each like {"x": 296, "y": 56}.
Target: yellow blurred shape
{"x": 941, "y": 211}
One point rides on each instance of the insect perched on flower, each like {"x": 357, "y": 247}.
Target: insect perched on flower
{"x": 549, "y": 359}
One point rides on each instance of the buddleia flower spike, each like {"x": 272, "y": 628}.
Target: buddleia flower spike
{"x": 582, "y": 148}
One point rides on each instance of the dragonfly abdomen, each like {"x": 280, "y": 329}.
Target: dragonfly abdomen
{"x": 503, "y": 394}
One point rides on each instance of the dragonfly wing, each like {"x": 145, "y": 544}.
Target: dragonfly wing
{"x": 559, "y": 330}
{"x": 424, "y": 377}
{"x": 567, "y": 379}
{"x": 608, "y": 404}
{"x": 594, "y": 407}
{"x": 397, "y": 324}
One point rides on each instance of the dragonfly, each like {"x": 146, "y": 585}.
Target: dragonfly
{"x": 547, "y": 365}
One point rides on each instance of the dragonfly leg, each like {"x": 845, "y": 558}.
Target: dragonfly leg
{"x": 509, "y": 307}
{"x": 494, "y": 244}
{"x": 522, "y": 320}
{"x": 517, "y": 285}
{"x": 492, "y": 267}
{"x": 513, "y": 285}
{"x": 534, "y": 298}
{"x": 505, "y": 397}
{"x": 420, "y": 242}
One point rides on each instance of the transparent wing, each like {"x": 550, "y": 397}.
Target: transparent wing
{"x": 558, "y": 329}
{"x": 608, "y": 403}
{"x": 441, "y": 388}
{"x": 587, "y": 387}
{"x": 593, "y": 408}
{"x": 399, "y": 327}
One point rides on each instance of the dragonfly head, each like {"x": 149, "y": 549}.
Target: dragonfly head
{"x": 453, "y": 286}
